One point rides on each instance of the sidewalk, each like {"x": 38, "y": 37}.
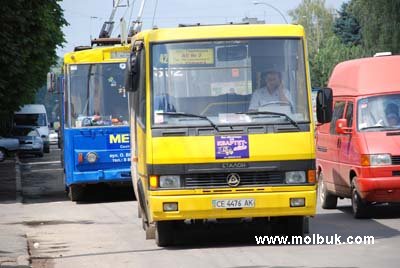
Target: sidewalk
{"x": 13, "y": 244}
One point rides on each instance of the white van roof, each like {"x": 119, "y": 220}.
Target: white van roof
{"x": 32, "y": 109}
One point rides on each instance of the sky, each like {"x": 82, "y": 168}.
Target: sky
{"x": 86, "y": 18}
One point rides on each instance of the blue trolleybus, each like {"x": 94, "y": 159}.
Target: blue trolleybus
{"x": 95, "y": 131}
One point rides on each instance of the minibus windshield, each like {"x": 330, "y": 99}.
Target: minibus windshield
{"x": 231, "y": 82}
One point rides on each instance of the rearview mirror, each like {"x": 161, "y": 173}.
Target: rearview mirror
{"x": 324, "y": 105}
{"x": 132, "y": 72}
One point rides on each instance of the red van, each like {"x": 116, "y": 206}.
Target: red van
{"x": 358, "y": 152}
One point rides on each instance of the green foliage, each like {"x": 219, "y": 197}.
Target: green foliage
{"x": 380, "y": 24}
{"x": 333, "y": 52}
{"x": 346, "y": 26}
{"x": 31, "y": 32}
{"x": 317, "y": 21}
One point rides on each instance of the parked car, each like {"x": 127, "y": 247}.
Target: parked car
{"x": 358, "y": 153}
{"x": 30, "y": 141}
{"x": 34, "y": 115}
{"x": 7, "y": 145}
{"x": 53, "y": 137}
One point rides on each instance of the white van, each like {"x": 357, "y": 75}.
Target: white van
{"x": 34, "y": 115}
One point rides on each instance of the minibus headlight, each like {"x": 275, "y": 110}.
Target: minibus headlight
{"x": 294, "y": 177}
{"x": 91, "y": 157}
{"x": 170, "y": 181}
{"x": 380, "y": 160}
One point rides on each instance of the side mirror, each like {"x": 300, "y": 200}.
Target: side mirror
{"x": 324, "y": 105}
{"x": 51, "y": 82}
{"x": 341, "y": 126}
{"x": 132, "y": 72}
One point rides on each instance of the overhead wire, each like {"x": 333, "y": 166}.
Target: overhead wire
{"x": 154, "y": 14}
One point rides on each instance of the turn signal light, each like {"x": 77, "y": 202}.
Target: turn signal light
{"x": 311, "y": 176}
{"x": 80, "y": 158}
{"x": 153, "y": 182}
{"x": 365, "y": 160}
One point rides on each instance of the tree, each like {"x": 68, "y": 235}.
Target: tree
{"x": 380, "y": 24}
{"x": 333, "y": 52}
{"x": 346, "y": 26}
{"x": 31, "y": 32}
{"x": 317, "y": 21}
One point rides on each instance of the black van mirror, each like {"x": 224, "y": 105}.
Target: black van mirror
{"x": 324, "y": 105}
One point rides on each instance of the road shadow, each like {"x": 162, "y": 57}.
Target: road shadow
{"x": 381, "y": 211}
{"x": 102, "y": 193}
{"x": 93, "y": 194}
{"x": 232, "y": 235}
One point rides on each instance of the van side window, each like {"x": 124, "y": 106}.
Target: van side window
{"x": 349, "y": 114}
{"x": 338, "y": 111}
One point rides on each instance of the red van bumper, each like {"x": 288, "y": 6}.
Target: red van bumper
{"x": 383, "y": 189}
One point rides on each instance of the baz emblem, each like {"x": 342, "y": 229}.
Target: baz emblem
{"x": 233, "y": 179}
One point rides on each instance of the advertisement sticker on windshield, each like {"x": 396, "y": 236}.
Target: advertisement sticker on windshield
{"x": 231, "y": 147}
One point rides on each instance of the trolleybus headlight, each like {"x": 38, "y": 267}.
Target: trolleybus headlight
{"x": 91, "y": 157}
{"x": 294, "y": 177}
{"x": 170, "y": 181}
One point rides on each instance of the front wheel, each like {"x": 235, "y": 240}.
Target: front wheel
{"x": 76, "y": 192}
{"x": 328, "y": 200}
{"x": 164, "y": 233}
{"x": 359, "y": 206}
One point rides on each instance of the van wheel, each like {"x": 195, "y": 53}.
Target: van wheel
{"x": 164, "y": 234}
{"x": 359, "y": 206}
{"x": 76, "y": 192}
{"x": 46, "y": 149}
{"x": 328, "y": 200}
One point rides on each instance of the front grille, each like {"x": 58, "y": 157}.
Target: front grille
{"x": 246, "y": 179}
{"x": 395, "y": 159}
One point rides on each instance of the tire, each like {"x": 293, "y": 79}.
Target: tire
{"x": 327, "y": 199}
{"x": 46, "y": 148}
{"x": 76, "y": 192}
{"x": 164, "y": 233}
{"x": 306, "y": 225}
{"x": 360, "y": 207}
{"x": 39, "y": 155}
{"x": 2, "y": 154}
{"x": 295, "y": 226}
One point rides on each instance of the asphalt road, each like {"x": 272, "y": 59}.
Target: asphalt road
{"x": 105, "y": 232}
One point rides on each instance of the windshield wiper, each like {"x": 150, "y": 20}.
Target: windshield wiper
{"x": 374, "y": 127}
{"x": 294, "y": 123}
{"x": 191, "y": 115}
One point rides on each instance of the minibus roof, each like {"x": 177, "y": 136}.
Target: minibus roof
{"x": 366, "y": 76}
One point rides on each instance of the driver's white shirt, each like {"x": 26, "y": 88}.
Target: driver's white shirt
{"x": 263, "y": 96}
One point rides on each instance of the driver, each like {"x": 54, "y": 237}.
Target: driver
{"x": 272, "y": 92}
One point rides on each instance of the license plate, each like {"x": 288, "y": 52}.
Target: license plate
{"x": 233, "y": 203}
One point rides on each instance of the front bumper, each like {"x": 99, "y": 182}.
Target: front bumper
{"x": 382, "y": 189}
{"x": 92, "y": 177}
{"x": 269, "y": 202}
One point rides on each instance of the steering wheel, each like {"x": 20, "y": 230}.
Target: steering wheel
{"x": 86, "y": 122}
{"x": 282, "y": 103}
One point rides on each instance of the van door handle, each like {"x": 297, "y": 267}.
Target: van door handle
{"x": 339, "y": 142}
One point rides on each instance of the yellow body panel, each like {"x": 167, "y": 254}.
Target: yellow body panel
{"x": 263, "y": 147}
{"x": 97, "y": 55}
{"x": 269, "y": 202}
